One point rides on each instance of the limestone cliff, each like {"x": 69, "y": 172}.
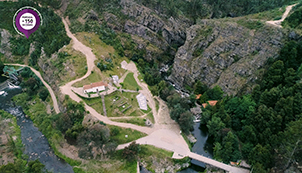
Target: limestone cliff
{"x": 224, "y": 53}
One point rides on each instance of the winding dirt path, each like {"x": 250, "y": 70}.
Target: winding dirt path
{"x": 277, "y": 23}
{"x": 67, "y": 89}
{"x": 52, "y": 94}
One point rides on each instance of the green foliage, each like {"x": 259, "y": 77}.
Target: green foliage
{"x": 291, "y": 144}
{"x": 35, "y": 167}
{"x": 259, "y": 122}
{"x": 109, "y": 37}
{"x": 20, "y": 46}
{"x": 130, "y": 83}
{"x": 51, "y": 35}
{"x": 215, "y": 93}
{"x": 1, "y": 66}
{"x": 43, "y": 93}
{"x": 131, "y": 152}
{"x": 9, "y": 168}
{"x": 250, "y": 24}
{"x": 294, "y": 20}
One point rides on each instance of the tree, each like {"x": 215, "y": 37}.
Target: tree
{"x": 290, "y": 77}
{"x": 215, "y": 93}
{"x": 215, "y": 125}
{"x": 260, "y": 154}
{"x": 131, "y": 152}
{"x": 274, "y": 76}
{"x": 35, "y": 167}
{"x": 185, "y": 122}
{"x": 9, "y": 168}
{"x": 43, "y": 93}
{"x": 1, "y": 67}
{"x": 218, "y": 152}
{"x": 291, "y": 144}
{"x": 200, "y": 88}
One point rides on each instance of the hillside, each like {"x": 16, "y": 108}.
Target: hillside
{"x": 228, "y": 53}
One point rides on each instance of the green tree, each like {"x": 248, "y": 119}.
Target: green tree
{"x": 215, "y": 93}
{"x": 218, "y": 152}
{"x": 9, "y": 168}
{"x": 290, "y": 77}
{"x": 291, "y": 144}
{"x": 131, "y": 152}
{"x": 274, "y": 76}
{"x": 262, "y": 155}
{"x": 185, "y": 122}
{"x": 35, "y": 167}
{"x": 199, "y": 87}
{"x": 43, "y": 93}
{"x": 1, "y": 67}
{"x": 215, "y": 125}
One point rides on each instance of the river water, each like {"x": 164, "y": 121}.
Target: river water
{"x": 203, "y": 146}
{"x": 36, "y": 145}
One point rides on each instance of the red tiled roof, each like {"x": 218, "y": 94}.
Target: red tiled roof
{"x": 93, "y": 85}
{"x": 212, "y": 103}
{"x": 198, "y": 96}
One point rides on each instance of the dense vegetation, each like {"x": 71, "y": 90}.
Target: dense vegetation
{"x": 295, "y": 19}
{"x": 263, "y": 127}
{"x": 51, "y": 34}
{"x": 195, "y": 9}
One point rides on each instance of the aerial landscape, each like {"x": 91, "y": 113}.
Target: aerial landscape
{"x": 158, "y": 86}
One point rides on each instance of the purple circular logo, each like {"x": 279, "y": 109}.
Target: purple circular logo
{"x": 27, "y": 20}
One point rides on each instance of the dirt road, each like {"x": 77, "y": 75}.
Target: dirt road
{"x": 277, "y": 23}
{"x": 52, "y": 94}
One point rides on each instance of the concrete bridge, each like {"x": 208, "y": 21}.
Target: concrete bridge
{"x": 228, "y": 168}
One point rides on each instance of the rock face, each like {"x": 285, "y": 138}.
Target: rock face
{"x": 161, "y": 31}
{"x": 224, "y": 53}
{"x": 4, "y": 43}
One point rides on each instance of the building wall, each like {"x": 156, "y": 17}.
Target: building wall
{"x": 101, "y": 88}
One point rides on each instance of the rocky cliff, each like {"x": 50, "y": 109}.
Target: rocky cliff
{"x": 225, "y": 53}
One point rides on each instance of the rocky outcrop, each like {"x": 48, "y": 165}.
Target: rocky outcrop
{"x": 159, "y": 30}
{"x": 5, "y": 44}
{"x": 225, "y": 53}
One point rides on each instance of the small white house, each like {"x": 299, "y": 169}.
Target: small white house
{"x": 115, "y": 79}
{"x": 142, "y": 101}
{"x": 95, "y": 87}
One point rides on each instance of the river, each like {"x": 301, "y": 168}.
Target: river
{"x": 203, "y": 146}
{"x": 36, "y": 145}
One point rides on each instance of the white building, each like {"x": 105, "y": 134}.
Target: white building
{"x": 115, "y": 79}
{"x": 142, "y": 101}
{"x": 95, "y": 87}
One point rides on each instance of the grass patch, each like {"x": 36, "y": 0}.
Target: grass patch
{"x": 95, "y": 76}
{"x": 118, "y": 104}
{"x": 268, "y": 15}
{"x": 130, "y": 83}
{"x": 137, "y": 121}
{"x": 95, "y": 103}
{"x": 151, "y": 117}
{"x": 103, "y": 52}
{"x": 76, "y": 59}
{"x": 120, "y": 133}
{"x": 151, "y": 154}
{"x": 156, "y": 104}
{"x": 146, "y": 111}
{"x": 187, "y": 141}
{"x": 250, "y": 24}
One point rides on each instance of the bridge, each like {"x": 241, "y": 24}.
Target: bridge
{"x": 228, "y": 168}
{"x": 171, "y": 141}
